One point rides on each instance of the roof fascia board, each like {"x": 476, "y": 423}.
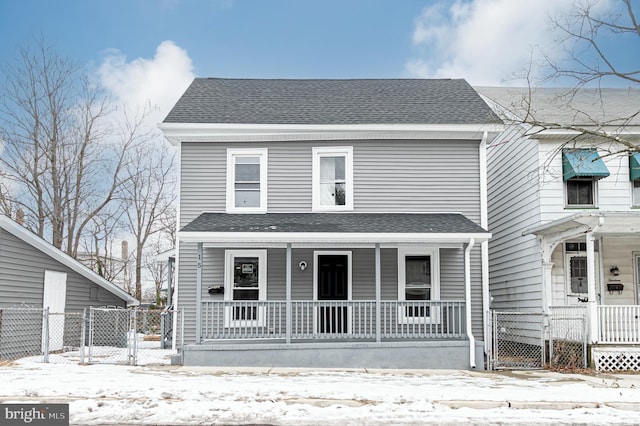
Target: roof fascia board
{"x": 328, "y": 237}
{"x": 562, "y": 133}
{"x": 39, "y": 244}
{"x": 211, "y": 132}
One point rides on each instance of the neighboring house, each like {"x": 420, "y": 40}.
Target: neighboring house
{"x": 332, "y": 223}
{"x": 563, "y": 211}
{"x": 35, "y": 274}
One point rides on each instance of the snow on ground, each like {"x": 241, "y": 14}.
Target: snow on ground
{"x": 162, "y": 394}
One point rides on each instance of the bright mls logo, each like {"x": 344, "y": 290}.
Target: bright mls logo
{"x": 34, "y": 414}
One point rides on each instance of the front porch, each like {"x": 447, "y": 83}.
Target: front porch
{"x": 334, "y": 334}
{"x": 359, "y": 290}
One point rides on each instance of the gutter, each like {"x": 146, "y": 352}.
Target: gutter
{"x": 467, "y": 298}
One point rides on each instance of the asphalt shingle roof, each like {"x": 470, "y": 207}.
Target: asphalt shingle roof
{"x": 334, "y": 223}
{"x": 325, "y": 102}
{"x": 584, "y": 107}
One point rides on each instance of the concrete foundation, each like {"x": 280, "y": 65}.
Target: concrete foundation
{"x": 402, "y": 355}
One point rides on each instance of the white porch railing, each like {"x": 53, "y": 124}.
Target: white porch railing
{"x": 333, "y": 320}
{"x": 618, "y": 324}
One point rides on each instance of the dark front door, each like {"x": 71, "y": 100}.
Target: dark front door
{"x": 333, "y": 285}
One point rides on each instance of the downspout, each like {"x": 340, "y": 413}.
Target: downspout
{"x": 484, "y": 246}
{"x": 467, "y": 301}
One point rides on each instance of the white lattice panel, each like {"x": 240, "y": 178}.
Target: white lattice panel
{"x": 617, "y": 359}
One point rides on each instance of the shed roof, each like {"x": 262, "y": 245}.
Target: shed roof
{"x": 38, "y": 243}
{"x": 331, "y": 102}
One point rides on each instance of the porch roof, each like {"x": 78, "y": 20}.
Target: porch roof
{"x": 333, "y": 227}
{"x": 600, "y": 223}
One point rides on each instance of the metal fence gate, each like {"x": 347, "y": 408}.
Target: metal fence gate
{"x": 129, "y": 336}
{"x": 568, "y": 337}
{"x": 517, "y": 340}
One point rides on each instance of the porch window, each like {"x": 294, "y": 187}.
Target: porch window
{"x": 245, "y": 283}
{"x": 417, "y": 283}
{"x": 246, "y": 180}
{"x": 332, "y": 178}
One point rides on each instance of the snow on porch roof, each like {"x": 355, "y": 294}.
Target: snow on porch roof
{"x": 340, "y": 226}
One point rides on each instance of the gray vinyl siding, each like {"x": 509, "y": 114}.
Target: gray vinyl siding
{"x": 363, "y": 278}
{"x": 514, "y": 205}
{"x": 389, "y": 176}
{"x": 22, "y": 269}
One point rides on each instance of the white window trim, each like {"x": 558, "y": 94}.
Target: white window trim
{"x": 232, "y": 153}
{"x": 594, "y": 189}
{"x": 317, "y": 253}
{"x": 332, "y": 151}
{"x": 434, "y": 254}
{"x": 229, "y": 256}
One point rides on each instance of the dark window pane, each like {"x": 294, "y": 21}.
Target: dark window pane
{"x": 245, "y": 272}
{"x": 580, "y": 192}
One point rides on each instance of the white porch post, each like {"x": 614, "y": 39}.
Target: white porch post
{"x": 378, "y": 294}
{"x": 592, "y": 304}
{"x": 199, "y": 295}
{"x": 289, "y": 315}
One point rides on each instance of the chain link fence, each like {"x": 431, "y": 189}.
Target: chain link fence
{"x": 130, "y": 336}
{"x": 96, "y": 335}
{"x": 517, "y": 340}
{"x": 568, "y": 337}
{"x": 21, "y": 333}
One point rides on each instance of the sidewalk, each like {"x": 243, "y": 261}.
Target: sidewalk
{"x": 108, "y": 394}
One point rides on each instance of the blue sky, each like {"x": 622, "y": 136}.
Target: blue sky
{"x": 143, "y": 49}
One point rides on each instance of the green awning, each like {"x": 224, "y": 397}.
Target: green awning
{"x": 582, "y": 163}
{"x": 634, "y": 167}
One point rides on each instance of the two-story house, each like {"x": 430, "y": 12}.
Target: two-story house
{"x": 332, "y": 223}
{"x": 564, "y": 211}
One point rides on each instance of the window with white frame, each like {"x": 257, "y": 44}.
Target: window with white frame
{"x": 332, "y": 178}
{"x": 580, "y": 192}
{"x": 246, "y": 285}
{"x": 418, "y": 282}
{"x": 246, "y": 180}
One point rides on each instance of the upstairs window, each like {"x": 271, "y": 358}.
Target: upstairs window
{"x": 581, "y": 169}
{"x": 333, "y": 178}
{"x": 246, "y": 180}
{"x": 580, "y": 193}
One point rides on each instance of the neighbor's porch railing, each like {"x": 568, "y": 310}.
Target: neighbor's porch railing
{"x": 618, "y": 324}
{"x": 333, "y": 320}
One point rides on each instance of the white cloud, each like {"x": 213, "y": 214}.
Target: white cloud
{"x": 484, "y": 41}
{"x": 158, "y": 81}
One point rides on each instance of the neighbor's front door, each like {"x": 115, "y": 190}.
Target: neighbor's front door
{"x": 333, "y": 285}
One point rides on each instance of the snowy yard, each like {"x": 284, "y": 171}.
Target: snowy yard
{"x": 163, "y": 394}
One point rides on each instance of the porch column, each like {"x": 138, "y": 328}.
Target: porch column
{"x": 378, "y": 294}
{"x": 547, "y": 286}
{"x": 170, "y": 262}
{"x": 289, "y": 315}
{"x": 199, "y": 295}
{"x": 592, "y": 304}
